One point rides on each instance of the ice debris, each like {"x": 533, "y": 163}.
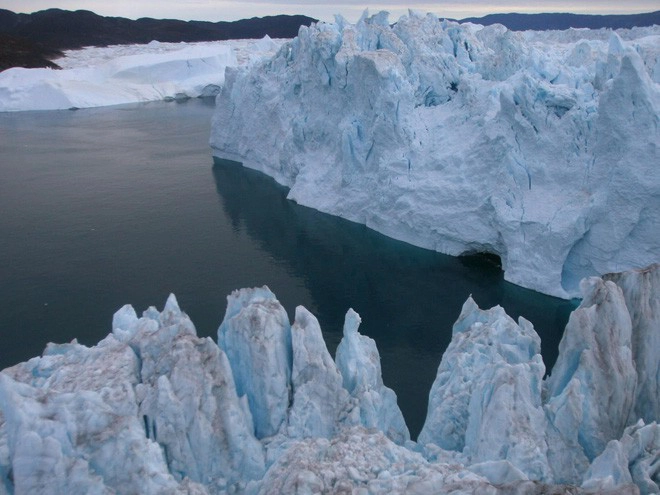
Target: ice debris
{"x": 462, "y": 138}
{"x": 155, "y": 409}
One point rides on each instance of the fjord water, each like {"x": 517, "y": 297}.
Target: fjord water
{"x": 109, "y": 206}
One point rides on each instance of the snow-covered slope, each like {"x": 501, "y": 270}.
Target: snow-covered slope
{"x": 112, "y": 75}
{"x": 154, "y": 409}
{"x": 541, "y": 148}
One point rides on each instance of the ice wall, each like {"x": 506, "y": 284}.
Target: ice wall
{"x": 462, "y": 139}
{"x": 154, "y": 409}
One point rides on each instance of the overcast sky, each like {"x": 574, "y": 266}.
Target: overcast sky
{"x": 219, "y": 10}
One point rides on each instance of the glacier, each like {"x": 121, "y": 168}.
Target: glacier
{"x": 541, "y": 148}
{"x": 153, "y": 408}
{"x": 121, "y": 74}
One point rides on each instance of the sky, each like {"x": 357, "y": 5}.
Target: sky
{"x": 220, "y": 10}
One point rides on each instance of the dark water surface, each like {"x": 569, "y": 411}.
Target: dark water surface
{"x": 103, "y": 207}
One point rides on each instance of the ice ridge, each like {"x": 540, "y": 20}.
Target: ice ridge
{"x": 155, "y": 409}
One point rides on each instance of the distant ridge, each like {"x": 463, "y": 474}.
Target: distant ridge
{"x": 21, "y": 52}
{"x": 65, "y": 29}
{"x": 560, "y": 22}
{"x": 55, "y": 29}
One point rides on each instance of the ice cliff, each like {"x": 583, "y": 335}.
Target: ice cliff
{"x": 155, "y": 409}
{"x": 461, "y": 138}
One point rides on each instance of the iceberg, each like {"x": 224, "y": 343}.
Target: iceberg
{"x": 153, "y": 408}
{"x": 490, "y": 404}
{"x": 113, "y": 75}
{"x": 590, "y": 393}
{"x": 640, "y": 291}
{"x": 628, "y": 461}
{"x": 538, "y": 148}
{"x": 319, "y": 401}
{"x": 606, "y": 376}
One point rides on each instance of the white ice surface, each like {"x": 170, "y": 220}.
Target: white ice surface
{"x": 118, "y": 74}
{"x": 154, "y": 409}
{"x": 541, "y": 148}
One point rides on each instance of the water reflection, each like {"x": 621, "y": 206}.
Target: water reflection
{"x": 408, "y": 297}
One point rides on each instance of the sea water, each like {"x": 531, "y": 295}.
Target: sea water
{"x": 108, "y": 206}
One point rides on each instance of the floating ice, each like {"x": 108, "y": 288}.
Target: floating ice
{"x": 463, "y": 139}
{"x": 113, "y": 75}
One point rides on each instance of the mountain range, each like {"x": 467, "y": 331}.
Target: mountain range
{"x": 34, "y": 40}
{"x": 560, "y": 22}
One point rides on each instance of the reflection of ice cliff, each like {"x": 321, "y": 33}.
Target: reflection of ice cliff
{"x": 461, "y": 138}
{"x": 155, "y": 409}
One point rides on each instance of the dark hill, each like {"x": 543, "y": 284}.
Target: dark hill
{"x": 56, "y": 29}
{"x": 20, "y": 52}
{"x": 544, "y": 22}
